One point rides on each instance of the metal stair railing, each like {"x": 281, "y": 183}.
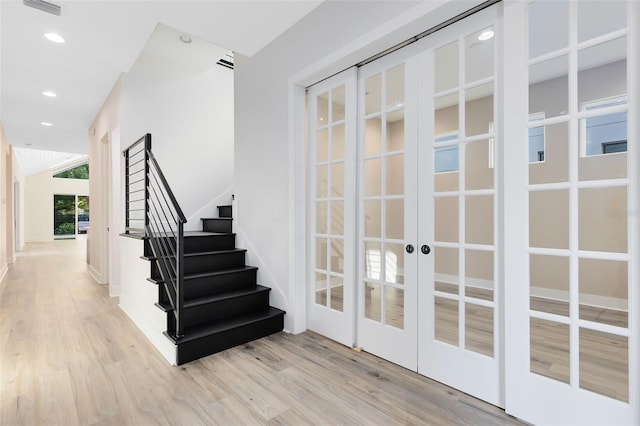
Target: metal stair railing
{"x": 151, "y": 210}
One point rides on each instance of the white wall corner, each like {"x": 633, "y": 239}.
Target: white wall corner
{"x": 277, "y": 297}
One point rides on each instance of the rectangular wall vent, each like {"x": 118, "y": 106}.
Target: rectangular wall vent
{"x": 44, "y": 6}
{"x": 225, "y": 63}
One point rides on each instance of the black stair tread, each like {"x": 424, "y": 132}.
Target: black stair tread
{"x": 204, "y": 253}
{"x": 205, "y": 274}
{"x": 203, "y": 234}
{"x": 203, "y": 330}
{"x": 199, "y": 253}
{"x": 216, "y": 218}
{"x": 195, "y": 234}
{"x": 197, "y": 301}
{"x": 223, "y": 272}
{"x": 164, "y": 306}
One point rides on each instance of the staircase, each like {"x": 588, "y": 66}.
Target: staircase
{"x": 209, "y": 294}
{"x": 223, "y": 305}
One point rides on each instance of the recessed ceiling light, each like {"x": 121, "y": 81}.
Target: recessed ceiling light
{"x": 185, "y": 38}
{"x": 46, "y": 124}
{"x": 486, "y": 35}
{"x": 56, "y": 38}
{"x": 49, "y": 94}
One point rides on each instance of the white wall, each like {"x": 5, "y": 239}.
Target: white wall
{"x": 185, "y": 101}
{"x": 334, "y": 36}
{"x": 176, "y": 92}
{"x": 138, "y": 297}
{"x": 103, "y": 245}
{"x": 38, "y": 193}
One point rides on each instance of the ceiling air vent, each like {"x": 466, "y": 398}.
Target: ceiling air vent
{"x": 44, "y": 6}
{"x": 227, "y": 63}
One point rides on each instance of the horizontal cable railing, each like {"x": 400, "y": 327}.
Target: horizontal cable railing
{"x": 152, "y": 210}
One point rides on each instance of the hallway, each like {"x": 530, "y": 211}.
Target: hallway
{"x": 71, "y": 356}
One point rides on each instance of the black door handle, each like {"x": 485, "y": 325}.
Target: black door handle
{"x": 425, "y": 249}
{"x": 409, "y": 248}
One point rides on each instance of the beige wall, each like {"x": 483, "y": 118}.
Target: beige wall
{"x": 39, "y": 191}
{"x": 600, "y": 227}
{"x": 5, "y": 162}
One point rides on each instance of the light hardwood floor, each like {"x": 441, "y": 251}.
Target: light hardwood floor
{"x": 71, "y": 356}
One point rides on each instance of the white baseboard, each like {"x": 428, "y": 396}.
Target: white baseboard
{"x": 546, "y": 293}
{"x": 114, "y": 291}
{"x": 93, "y": 273}
{"x": 585, "y": 299}
{"x": 3, "y": 272}
{"x": 470, "y": 282}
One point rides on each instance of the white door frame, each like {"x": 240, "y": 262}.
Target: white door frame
{"x": 17, "y": 237}
{"x": 105, "y": 203}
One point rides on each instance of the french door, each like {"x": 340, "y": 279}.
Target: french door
{"x": 332, "y": 159}
{"x": 388, "y": 136}
{"x": 427, "y": 211}
{"x": 572, "y": 295}
{"x": 491, "y": 236}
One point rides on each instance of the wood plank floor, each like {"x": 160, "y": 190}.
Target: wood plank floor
{"x": 70, "y": 356}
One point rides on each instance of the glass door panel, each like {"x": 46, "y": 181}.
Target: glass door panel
{"x": 578, "y": 354}
{"x": 458, "y": 314}
{"x": 332, "y": 159}
{"x": 387, "y": 324}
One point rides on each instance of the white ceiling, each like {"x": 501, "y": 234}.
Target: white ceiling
{"x": 36, "y": 160}
{"x": 103, "y": 39}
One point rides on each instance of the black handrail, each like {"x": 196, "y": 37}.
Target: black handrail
{"x": 162, "y": 223}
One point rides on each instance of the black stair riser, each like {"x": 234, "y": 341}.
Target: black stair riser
{"x": 147, "y": 248}
{"x": 155, "y": 270}
{"x": 215, "y": 269}
{"x": 216, "y": 284}
{"x": 209, "y": 243}
{"x": 200, "y": 243}
{"x": 217, "y": 225}
{"x": 214, "y": 262}
{"x": 208, "y": 345}
{"x": 225, "y": 211}
{"x": 227, "y": 308}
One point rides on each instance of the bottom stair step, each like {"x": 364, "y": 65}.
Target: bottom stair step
{"x": 203, "y": 340}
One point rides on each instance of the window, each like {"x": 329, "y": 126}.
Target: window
{"x": 78, "y": 172}
{"x": 446, "y": 157}
{"x": 536, "y": 139}
{"x": 612, "y": 147}
{"x": 603, "y": 134}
